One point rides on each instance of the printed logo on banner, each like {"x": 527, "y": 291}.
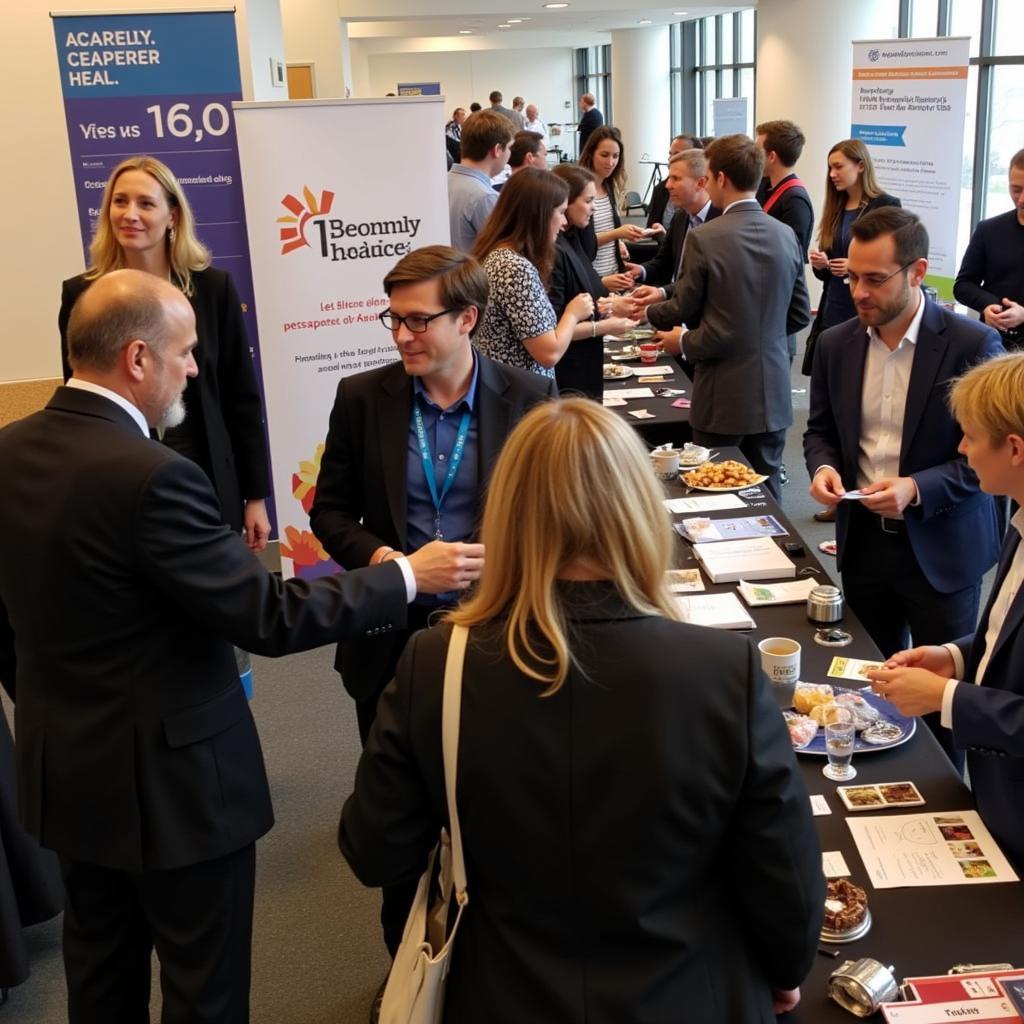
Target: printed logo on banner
{"x": 333, "y": 231}
{"x": 873, "y": 55}
{"x": 302, "y": 213}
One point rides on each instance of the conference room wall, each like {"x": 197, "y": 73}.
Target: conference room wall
{"x": 541, "y": 76}
{"x": 41, "y": 240}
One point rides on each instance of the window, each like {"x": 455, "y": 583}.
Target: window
{"x": 710, "y": 58}
{"x": 594, "y": 75}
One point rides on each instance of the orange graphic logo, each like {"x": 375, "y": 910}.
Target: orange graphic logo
{"x": 293, "y": 227}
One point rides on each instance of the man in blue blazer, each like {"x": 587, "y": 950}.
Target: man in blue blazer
{"x": 978, "y": 682}
{"x": 913, "y": 548}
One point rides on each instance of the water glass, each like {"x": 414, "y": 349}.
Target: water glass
{"x": 840, "y": 736}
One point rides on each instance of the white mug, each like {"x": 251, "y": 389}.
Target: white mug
{"x": 666, "y": 463}
{"x": 780, "y": 659}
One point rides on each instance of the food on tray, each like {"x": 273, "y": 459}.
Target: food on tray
{"x": 801, "y": 729}
{"x": 693, "y": 454}
{"x": 846, "y": 905}
{"x": 864, "y": 714}
{"x": 808, "y": 695}
{"x": 722, "y": 474}
{"x": 824, "y": 714}
{"x": 612, "y": 370}
{"x": 882, "y": 731}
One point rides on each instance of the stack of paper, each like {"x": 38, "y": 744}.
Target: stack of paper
{"x": 756, "y": 594}
{"x": 703, "y": 529}
{"x": 757, "y": 559}
{"x": 723, "y": 611}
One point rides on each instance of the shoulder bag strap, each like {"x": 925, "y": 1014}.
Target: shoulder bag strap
{"x": 781, "y": 191}
{"x": 451, "y": 713}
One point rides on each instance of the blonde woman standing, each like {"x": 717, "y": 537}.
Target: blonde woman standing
{"x": 637, "y": 837}
{"x": 146, "y": 223}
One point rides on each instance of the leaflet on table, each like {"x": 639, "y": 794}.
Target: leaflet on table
{"x": 952, "y": 848}
{"x": 982, "y": 996}
{"x": 702, "y": 529}
{"x": 631, "y": 393}
{"x": 852, "y": 668}
{"x": 721, "y": 611}
{"x": 706, "y": 503}
{"x": 682, "y": 581}
{"x": 758, "y": 594}
{"x": 757, "y": 559}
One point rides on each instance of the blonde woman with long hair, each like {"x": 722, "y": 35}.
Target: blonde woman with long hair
{"x": 146, "y": 223}
{"x": 637, "y": 837}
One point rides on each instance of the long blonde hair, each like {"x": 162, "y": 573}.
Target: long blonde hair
{"x": 185, "y": 253}
{"x": 835, "y": 199}
{"x": 573, "y": 482}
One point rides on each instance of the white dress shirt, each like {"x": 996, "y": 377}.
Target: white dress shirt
{"x": 884, "y": 402}
{"x": 996, "y": 617}
{"x": 538, "y": 126}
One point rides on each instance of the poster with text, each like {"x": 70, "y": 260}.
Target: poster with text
{"x": 325, "y": 226}
{"x": 160, "y": 84}
{"x": 909, "y": 104}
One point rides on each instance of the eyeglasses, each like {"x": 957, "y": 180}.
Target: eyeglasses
{"x": 874, "y": 280}
{"x": 415, "y": 322}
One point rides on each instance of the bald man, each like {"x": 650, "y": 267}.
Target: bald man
{"x": 121, "y": 593}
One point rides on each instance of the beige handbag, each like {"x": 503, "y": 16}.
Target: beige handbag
{"x": 414, "y": 993}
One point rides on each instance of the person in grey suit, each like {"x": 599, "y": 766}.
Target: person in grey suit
{"x": 740, "y": 294}
{"x": 639, "y": 843}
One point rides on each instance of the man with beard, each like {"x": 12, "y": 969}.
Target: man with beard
{"x": 917, "y": 533}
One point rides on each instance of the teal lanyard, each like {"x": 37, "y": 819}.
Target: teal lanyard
{"x": 427, "y": 461}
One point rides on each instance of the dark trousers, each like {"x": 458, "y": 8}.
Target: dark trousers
{"x": 899, "y": 608}
{"x": 199, "y": 920}
{"x": 396, "y": 900}
{"x": 763, "y": 452}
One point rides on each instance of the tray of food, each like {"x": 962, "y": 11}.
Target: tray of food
{"x": 727, "y": 475}
{"x": 879, "y": 725}
{"x": 616, "y": 371}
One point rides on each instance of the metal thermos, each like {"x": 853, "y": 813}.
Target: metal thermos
{"x": 825, "y": 604}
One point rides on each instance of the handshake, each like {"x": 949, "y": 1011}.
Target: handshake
{"x": 442, "y": 566}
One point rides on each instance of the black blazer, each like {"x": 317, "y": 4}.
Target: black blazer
{"x": 658, "y": 204}
{"x": 223, "y": 401}
{"x": 121, "y": 594}
{"x": 639, "y": 846}
{"x": 588, "y": 236}
{"x": 580, "y": 369}
{"x": 361, "y": 500}
{"x": 661, "y": 268}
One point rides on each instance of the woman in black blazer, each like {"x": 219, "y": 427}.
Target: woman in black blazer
{"x": 639, "y": 844}
{"x": 579, "y": 370}
{"x": 146, "y": 223}
{"x": 851, "y": 190}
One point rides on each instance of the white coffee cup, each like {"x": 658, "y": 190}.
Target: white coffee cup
{"x": 780, "y": 659}
{"x": 666, "y": 463}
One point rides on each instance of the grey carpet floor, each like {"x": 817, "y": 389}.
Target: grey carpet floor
{"x": 317, "y": 956}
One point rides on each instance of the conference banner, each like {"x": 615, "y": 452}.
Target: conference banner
{"x": 162, "y": 84}
{"x": 325, "y": 225}
{"x": 909, "y": 105}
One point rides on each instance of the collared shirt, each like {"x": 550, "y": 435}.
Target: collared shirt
{"x": 538, "y": 126}
{"x": 442, "y": 427}
{"x": 470, "y": 201}
{"x": 996, "y": 617}
{"x": 736, "y": 202}
{"x": 696, "y": 219}
{"x": 97, "y": 389}
{"x": 884, "y": 402}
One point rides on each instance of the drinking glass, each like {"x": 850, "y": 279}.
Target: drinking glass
{"x": 840, "y": 735}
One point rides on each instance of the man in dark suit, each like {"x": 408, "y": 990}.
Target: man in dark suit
{"x": 444, "y": 407}
{"x": 121, "y": 593}
{"x": 977, "y": 683}
{"x": 741, "y": 292}
{"x": 912, "y": 550}
{"x": 591, "y": 119}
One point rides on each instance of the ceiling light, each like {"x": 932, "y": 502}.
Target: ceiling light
{"x": 555, "y": 7}
{"x": 514, "y": 21}
{"x": 504, "y": 26}
{"x": 644, "y": 21}
{"x": 465, "y": 32}
{"x": 679, "y": 14}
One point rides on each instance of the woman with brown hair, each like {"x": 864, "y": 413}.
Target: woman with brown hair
{"x": 638, "y": 841}
{"x": 603, "y": 156}
{"x": 516, "y": 247}
{"x": 146, "y": 223}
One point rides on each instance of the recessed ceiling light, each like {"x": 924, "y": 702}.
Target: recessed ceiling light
{"x": 679, "y": 14}
{"x": 514, "y": 21}
{"x": 504, "y": 26}
{"x": 644, "y": 21}
{"x": 465, "y": 32}
{"x": 555, "y": 7}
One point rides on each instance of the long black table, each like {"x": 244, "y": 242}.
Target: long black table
{"x": 669, "y": 423}
{"x": 919, "y": 931}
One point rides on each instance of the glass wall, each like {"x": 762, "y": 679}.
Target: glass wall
{"x": 594, "y": 75}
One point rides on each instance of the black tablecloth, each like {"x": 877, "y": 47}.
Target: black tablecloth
{"x": 670, "y": 424}
{"x": 919, "y": 931}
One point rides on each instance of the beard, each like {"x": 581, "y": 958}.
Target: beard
{"x": 173, "y": 415}
{"x": 884, "y": 312}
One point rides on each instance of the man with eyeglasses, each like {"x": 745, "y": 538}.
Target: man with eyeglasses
{"x": 915, "y": 533}
{"x": 409, "y": 450}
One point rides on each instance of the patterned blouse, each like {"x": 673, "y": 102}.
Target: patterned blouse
{"x": 605, "y": 262}
{"x": 518, "y": 308}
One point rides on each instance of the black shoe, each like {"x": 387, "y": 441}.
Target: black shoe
{"x": 376, "y": 1004}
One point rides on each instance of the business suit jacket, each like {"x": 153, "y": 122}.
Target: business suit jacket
{"x": 658, "y": 205}
{"x": 580, "y": 368}
{"x": 588, "y": 236}
{"x": 661, "y": 268}
{"x": 743, "y": 287}
{"x": 639, "y": 846}
{"x": 121, "y": 593}
{"x": 223, "y": 400}
{"x": 591, "y": 120}
{"x": 361, "y": 496}
{"x": 953, "y": 530}
{"x": 988, "y": 720}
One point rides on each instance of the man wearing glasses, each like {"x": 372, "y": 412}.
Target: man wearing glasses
{"x": 915, "y": 533}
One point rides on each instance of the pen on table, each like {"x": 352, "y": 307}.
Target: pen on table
{"x": 833, "y": 953}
